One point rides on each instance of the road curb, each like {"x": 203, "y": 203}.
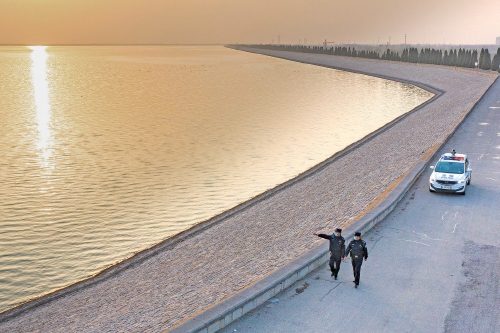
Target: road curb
{"x": 232, "y": 308}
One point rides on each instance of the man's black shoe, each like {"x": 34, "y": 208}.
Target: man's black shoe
{"x": 332, "y": 274}
{"x": 356, "y": 286}
{"x": 335, "y": 278}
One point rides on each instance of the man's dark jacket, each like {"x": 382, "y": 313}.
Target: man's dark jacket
{"x": 337, "y": 245}
{"x": 357, "y": 249}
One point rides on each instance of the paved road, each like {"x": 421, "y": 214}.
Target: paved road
{"x": 434, "y": 263}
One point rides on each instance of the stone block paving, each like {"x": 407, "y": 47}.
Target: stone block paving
{"x": 245, "y": 247}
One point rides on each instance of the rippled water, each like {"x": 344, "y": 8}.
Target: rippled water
{"x": 107, "y": 150}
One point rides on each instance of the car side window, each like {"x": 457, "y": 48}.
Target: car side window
{"x": 466, "y": 165}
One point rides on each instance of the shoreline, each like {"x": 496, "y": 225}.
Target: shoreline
{"x": 198, "y": 229}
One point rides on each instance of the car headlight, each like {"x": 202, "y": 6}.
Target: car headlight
{"x": 433, "y": 179}
{"x": 461, "y": 181}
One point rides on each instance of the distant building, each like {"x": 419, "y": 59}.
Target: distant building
{"x": 498, "y": 41}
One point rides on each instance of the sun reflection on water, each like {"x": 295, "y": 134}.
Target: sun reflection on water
{"x": 39, "y": 58}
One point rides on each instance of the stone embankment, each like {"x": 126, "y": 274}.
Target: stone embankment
{"x": 182, "y": 276}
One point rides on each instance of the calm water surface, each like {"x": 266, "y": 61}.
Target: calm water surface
{"x": 108, "y": 150}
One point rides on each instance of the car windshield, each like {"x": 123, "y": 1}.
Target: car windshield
{"x": 450, "y": 167}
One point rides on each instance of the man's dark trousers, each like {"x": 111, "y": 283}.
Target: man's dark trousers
{"x": 335, "y": 265}
{"x": 356, "y": 268}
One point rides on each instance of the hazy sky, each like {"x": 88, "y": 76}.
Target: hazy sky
{"x": 248, "y": 21}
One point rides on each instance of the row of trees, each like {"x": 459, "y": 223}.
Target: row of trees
{"x": 458, "y": 58}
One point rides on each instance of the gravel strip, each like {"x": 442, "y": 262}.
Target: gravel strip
{"x": 197, "y": 272}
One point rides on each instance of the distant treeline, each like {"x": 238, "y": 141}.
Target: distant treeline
{"x": 454, "y": 57}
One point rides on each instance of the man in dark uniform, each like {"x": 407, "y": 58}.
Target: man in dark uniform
{"x": 337, "y": 250}
{"x": 357, "y": 249}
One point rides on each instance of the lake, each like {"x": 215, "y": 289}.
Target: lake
{"x": 107, "y": 150}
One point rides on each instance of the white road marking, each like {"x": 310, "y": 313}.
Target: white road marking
{"x": 480, "y": 157}
{"x": 442, "y": 217}
{"x": 424, "y": 236}
{"x": 492, "y": 179}
{"x": 454, "y": 228}
{"x": 483, "y": 124}
{"x": 494, "y": 107}
{"x": 407, "y": 240}
{"x": 455, "y": 215}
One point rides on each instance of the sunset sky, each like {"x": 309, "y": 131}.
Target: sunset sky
{"x": 248, "y": 21}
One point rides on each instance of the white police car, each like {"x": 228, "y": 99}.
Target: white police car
{"x": 452, "y": 173}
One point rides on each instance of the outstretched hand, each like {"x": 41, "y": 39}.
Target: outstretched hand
{"x": 315, "y": 234}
